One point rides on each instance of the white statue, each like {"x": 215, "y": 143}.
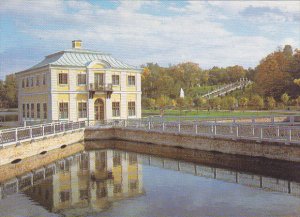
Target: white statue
{"x": 181, "y": 93}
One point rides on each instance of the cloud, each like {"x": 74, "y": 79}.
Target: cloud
{"x": 191, "y": 31}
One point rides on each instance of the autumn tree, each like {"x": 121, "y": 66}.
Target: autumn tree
{"x": 257, "y": 102}
{"x": 285, "y": 98}
{"x": 271, "y": 102}
{"x": 243, "y": 102}
{"x": 271, "y": 76}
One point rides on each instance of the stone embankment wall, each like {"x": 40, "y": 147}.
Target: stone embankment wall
{"x": 34, "y": 147}
{"x": 9, "y": 171}
{"x": 237, "y": 147}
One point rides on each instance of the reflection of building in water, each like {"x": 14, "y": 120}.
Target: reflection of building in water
{"x": 90, "y": 183}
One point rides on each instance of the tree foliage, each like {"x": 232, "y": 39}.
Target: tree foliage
{"x": 277, "y": 73}
{"x": 8, "y": 92}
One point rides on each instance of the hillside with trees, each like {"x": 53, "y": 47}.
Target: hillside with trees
{"x": 276, "y": 84}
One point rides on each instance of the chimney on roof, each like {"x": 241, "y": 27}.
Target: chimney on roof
{"x": 76, "y": 44}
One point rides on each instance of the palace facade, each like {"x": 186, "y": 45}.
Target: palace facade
{"x": 79, "y": 84}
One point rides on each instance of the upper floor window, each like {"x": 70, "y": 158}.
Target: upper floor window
{"x": 63, "y": 78}
{"x": 23, "y": 83}
{"x": 63, "y": 110}
{"x": 115, "y": 79}
{"x": 31, "y": 82}
{"x": 37, "y": 80}
{"x": 131, "y": 80}
{"x": 81, "y": 79}
{"x": 27, "y": 82}
{"x": 44, "y": 79}
{"x": 116, "y": 109}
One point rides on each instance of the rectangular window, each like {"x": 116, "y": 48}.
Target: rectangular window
{"x": 23, "y": 83}
{"x": 131, "y": 80}
{"x": 32, "y": 110}
{"x": 44, "y": 79}
{"x": 63, "y": 110}
{"x": 64, "y": 196}
{"x": 81, "y": 79}
{"x": 115, "y": 79}
{"x": 28, "y": 111}
{"x": 31, "y": 81}
{"x": 24, "y": 110}
{"x": 82, "y": 110}
{"x": 38, "y": 110}
{"x": 45, "y": 110}
{"x": 63, "y": 78}
{"x": 131, "y": 108}
{"x": 37, "y": 80}
{"x": 116, "y": 109}
{"x": 27, "y": 82}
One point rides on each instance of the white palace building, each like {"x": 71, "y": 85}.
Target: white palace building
{"x": 79, "y": 84}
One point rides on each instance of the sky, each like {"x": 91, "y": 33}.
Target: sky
{"x": 210, "y": 33}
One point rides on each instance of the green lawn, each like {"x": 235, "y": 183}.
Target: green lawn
{"x": 206, "y": 113}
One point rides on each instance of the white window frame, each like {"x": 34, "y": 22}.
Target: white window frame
{"x": 81, "y": 84}
{"x": 129, "y": 81}
{"x": 79, "y": 113}
{"x": 114, "y": 111}
{"x": 112, "y": 79}
{"x": 58, "y": 80}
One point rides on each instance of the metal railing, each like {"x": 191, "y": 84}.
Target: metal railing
{"x": 263, "y": 119}
{"x": 21, "y": 134}
{"x": 258, "y": 132}
{"x": 101, "y": 87}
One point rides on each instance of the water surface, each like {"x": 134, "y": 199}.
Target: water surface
{"x": 116, "y": 183}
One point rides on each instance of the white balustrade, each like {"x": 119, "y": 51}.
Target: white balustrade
{"x": 21, "y": 134}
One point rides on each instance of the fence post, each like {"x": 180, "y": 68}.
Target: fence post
{"x": 163, "y": 126}
{"x": 30, "y": 132}
{"x": 277, "y": 131}
{"x": 215, "y": 129}
{"x": 237, "y": 131}
{"x": 149, "y": 125}
{"x": 64, "y": 128}
{"x": 179, "y": 127}
{"x": 196, "y": 128}
{"x": 43, "y": 130}
{"x": 212, "y": 129}
{"x": 261, "y": 134}
{"x": 54, "y": 128}
{"x": 253, "y": 130}
{"x": 16, "y": 134}
{"x": 289, "y": 136}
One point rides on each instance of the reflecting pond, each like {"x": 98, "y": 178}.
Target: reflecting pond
{"x": 111, "y": 182}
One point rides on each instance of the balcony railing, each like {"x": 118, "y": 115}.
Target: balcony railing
{"x": 101, "y": 87}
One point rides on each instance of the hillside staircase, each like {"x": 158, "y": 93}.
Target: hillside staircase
{"x": 223, "y": 90}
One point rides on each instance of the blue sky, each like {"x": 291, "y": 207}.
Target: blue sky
{"x": 213, "y": 33}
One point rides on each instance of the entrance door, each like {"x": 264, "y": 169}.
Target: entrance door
{"x": 99, "y": 110}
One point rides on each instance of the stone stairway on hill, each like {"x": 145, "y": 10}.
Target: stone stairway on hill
{"x": 221, "y": 91}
